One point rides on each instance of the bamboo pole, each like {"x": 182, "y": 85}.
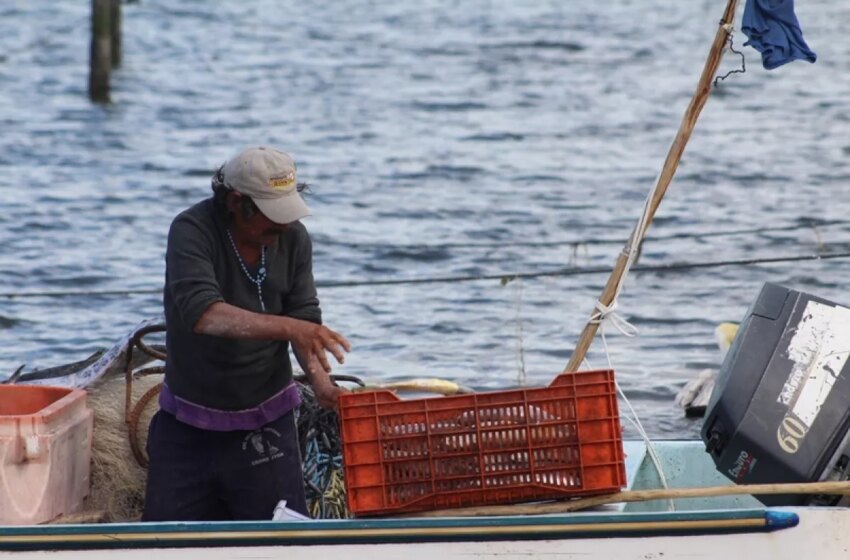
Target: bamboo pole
{"x": 815, "y": 488}
{"x": 100, "y": 61}
{"x": 671, "y": 163}
{"x": 115, "y": 25}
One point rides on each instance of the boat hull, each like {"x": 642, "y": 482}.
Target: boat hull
{"x": 717, "y": 527}
{"x": 791, "y": 533}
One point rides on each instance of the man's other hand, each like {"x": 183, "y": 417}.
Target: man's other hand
{"x": 312, "y": 342}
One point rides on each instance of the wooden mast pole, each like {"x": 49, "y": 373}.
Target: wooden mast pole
{"x": 674, "y": 155}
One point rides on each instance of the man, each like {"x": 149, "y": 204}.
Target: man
{"x": 238, "y": 292}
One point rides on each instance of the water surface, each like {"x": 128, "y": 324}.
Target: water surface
{"x": 442, "y": 138}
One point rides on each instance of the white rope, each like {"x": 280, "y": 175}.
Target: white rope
{"x": 608, "y": 313}
{"x": 635, "y": 421}
{"x": 632, "y": 247}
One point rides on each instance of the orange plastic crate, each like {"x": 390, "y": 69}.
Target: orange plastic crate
{"x": 499, "y": 447}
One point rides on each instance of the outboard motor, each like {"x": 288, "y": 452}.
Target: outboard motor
{"x": 780, "y": 409}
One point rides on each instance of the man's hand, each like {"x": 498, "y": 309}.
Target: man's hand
{"x": 311, "y": 342}
{"x": 327, "y": 394}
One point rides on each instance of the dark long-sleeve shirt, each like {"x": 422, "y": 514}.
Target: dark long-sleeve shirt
{"x": 201, "y": 269}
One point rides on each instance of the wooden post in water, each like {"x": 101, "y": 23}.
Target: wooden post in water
{"x": 671, "y": 163}
{"x": 115, "y": 24}
{"x": 100, "y": 61}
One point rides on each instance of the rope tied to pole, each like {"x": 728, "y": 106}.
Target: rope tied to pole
{"x": 609, "y": 313}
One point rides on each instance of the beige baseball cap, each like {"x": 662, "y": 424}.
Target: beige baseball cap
{"x": 268, "y": 176}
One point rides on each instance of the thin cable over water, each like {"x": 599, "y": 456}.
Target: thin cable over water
{"x": 504, "y": 277}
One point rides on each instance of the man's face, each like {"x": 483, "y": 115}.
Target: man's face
{"x": 256, "y": 228}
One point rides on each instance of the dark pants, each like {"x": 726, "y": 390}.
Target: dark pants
{"x": 201, "y": 475}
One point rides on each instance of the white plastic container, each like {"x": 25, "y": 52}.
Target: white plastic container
{"x": 45, "y": 452}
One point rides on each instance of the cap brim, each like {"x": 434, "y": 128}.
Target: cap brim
{"x": 283, "y": 210}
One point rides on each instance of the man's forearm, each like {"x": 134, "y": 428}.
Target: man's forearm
{"x": 229, "y": 321}
{"x": 310, "y": 341}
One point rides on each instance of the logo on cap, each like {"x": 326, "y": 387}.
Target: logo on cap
{"x": 282, "y": 182}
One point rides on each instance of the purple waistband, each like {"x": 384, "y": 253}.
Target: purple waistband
{"x": 216, "y": 420}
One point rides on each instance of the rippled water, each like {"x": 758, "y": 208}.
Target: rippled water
{"x": 442, "y": 139}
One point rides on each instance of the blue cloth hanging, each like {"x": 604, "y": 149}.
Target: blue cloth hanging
{"x": 774, "y": 31}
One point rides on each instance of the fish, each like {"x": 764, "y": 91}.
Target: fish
{"x": 98, "y": 366}
{"x": 420, "y": 385}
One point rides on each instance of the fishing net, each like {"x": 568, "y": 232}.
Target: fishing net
{"x": 118, "y": 481}
{"x": 321, "y": 456}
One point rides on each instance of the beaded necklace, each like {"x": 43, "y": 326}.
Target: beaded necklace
{"x": 261, "y": 273}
